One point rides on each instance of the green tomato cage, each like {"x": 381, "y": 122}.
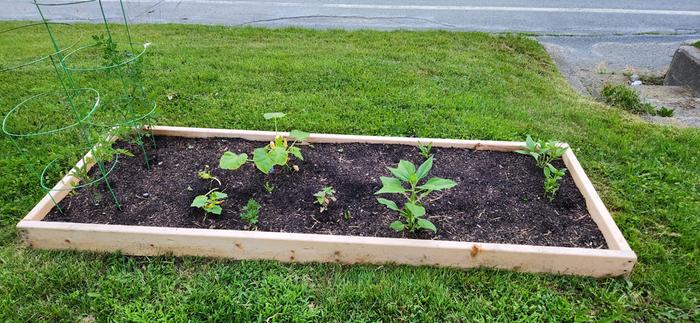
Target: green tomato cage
{"x": 98, "y": 93}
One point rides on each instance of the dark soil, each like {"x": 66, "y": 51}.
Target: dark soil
{"x": 499, "y": 197}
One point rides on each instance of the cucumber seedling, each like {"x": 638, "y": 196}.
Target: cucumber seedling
{"x": 276, "y": 153}
{"x": 413, "y": 210}
{"x": 206, "y": 175}
{"x": 325, "y": 197}
{"x": 210, "y": 202}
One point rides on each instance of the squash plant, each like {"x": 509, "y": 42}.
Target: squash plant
{"x": 276, "y": 153}
{"x": 413, "y": 211}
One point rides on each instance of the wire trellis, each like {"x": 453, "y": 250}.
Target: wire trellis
{"x": 80, "y": 66}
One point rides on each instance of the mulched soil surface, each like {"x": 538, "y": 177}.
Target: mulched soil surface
{"x": 499, "y": 197}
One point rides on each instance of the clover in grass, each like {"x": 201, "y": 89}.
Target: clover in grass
{"x": 406, "y": 182}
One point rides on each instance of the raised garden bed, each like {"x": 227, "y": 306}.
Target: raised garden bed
{"x": 496, "y": 216}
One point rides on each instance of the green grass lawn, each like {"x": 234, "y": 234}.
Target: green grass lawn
{"x": 432, "y": 84}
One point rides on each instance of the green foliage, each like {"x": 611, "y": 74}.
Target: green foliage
{"x": 412, "y": 211}
{"x": 269, "y": 187}
{"x": 543, "y": 153}
{"x": 424, "y": 150}
{"x": 624, "y": 97}
{"x": 206, "y": 175}
{"x": 276, "y": 153}
{"x": 646, "y": 174}
{"x": 552, "y": 176}
{"x": 665, "y": 112}
{"x": 210, "y": 202}
{"x": 324, "y": 197}
{"x": 251, "y": 211}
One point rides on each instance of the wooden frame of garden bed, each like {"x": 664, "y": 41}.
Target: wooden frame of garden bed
{"x": 618, "y": 260}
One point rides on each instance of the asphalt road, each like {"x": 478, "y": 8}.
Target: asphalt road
{"x": 537, "y": 16}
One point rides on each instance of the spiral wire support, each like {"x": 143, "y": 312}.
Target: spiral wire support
{"x": 134, "y": 108}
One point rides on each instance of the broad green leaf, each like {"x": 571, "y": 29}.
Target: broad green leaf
{"x": 407, "y": 167}
{"x": 296, "y": 152}
{"x": 390, "y": 204}
{"x": 531, "y": 144}
{"x": 415, "y": 209}
{"x": 425, "y": 224}
{"x": 215, "y": 209}
{"x": 232, "y": 161}
{"x": 299, "y": 135}
{"x": 437, "y": 183}
{"x": 262, "y": 160}
{"x": 424, "y": 168}
{"x": 273, "y": 115}
{"x": 278, "y": 156}
{"x": 397, "y": 226}
{"x": 390, "y": 185}
{"x": 399, "y": 173}
{"x": 218, "y": 195}
{"x": 199, "y": 201}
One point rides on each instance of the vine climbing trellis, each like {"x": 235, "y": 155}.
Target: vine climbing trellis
{"x": 98, "y": 95}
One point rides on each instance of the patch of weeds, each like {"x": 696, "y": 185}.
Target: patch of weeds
{"x": 251, "y": 211}
{"x": 624, "y": 97}
{"x": 665, "y": 112}
{"x": 210, "y": 202}
{"x": 325, "y": 197}
{"x": 413, "y": 210}
{"x": 696, "y": 44}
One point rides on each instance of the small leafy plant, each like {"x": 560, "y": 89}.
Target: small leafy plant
{"x": 325, "y": 197}
{"x": 543, "y": 153}
{"x": 210, "y": 202}
{"x": 251, "y": 211}
{"x": 276, "y": 153}
{"x": 424, "y": 150}
{"x": 665, "y": 112}
{"x": 206, "y": 175}
{"x": 268, "y": 187}
{"x": 412, "y": 211}
{"x": 552, "y": 176}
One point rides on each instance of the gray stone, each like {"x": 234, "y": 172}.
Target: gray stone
{"x": 685, "y": 69}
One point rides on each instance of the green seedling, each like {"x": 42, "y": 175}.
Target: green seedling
{"x": 424, "y": 150}
{"x": 251, "y": 211}
{"x": 413, "y": 210}
{"x": 325, "y": 197}
{"x": 347, "y": 215}
{"x": 552, "y": 176}
{"x": 210, "y": 202}
{"x": 268, "y": 187}
{"x": 276, "y": 153}
{"x": 206, "y": 175}
{"x": 543, "y": 153}
{"x": 665, "y": 112}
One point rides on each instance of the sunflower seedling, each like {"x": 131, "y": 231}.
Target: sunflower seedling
{"x": 543, "y": 153}
{"x": 412, "y": 211}
{"x": 325, "y": 197}
{"x": 251, "y": 211}
{"x": 552, "y": 176}
{"x": 424, "y": 150}
{"x": 210, "y": 202}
